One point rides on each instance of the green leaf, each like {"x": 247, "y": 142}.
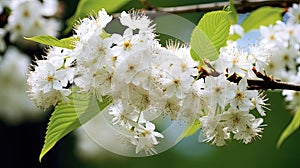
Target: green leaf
{"x": 193, "y": 128}
{"x": 52, "y": 41}
{"x": 104, "y": 35}
{"x": 69, "y": 116}
{"x": 210, "y": 35}
{"x": 85, "y": 7}
{"x": 190, "y": 129}
{"x": 234, "y": 37}
{"x": 233, "y": 15}
{"x": 292, "y": 127}
{"x": 263, "y": 16}
{"x": 194, "y": 55}
{"x": 233, "y": 18}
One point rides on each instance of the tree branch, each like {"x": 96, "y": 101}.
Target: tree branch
{"x": 264, "y": 82}
{"x": 258, "y": 84}
{"x": 242, "y": 6}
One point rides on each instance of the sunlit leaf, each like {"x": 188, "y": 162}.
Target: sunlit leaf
{"x": 191, "y": 128}
{"x": 86, "y": 7}
{"x": 262, "y": 17}
{"x": 201, "y": 46}
{"x": 292, "y": 127}
{"x": 194, "y": 55}
{"x": 210, "y": 35}
{"x": 104, "y": 34}
{"x": 233, "y": 15}
{"x": 69, "y": 116}
{"x": 52, "y": 41}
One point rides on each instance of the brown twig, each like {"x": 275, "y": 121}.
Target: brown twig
{"x": 148, "y": 5}
{"x": 242, "y": 6}
{"x": 265, "y": 82}
{"x": 258, "y": 84}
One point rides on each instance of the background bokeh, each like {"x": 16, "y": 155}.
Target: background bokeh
{"x": 21, "y": 144}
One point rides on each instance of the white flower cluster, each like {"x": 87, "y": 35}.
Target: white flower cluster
{"x": 27, "y": 18}
{"x": 21, "y": 18}
{"x": 147, "y": 80}
{"x": 15, "y": 106}
{"x": 283, "y": 41}
{"x": 294, "y": 14}
{"x": 230, "y": 103}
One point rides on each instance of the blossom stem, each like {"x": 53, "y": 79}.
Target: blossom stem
{"x": 137, "y": 121}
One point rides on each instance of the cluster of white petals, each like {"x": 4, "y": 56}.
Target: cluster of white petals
{"x": 146, "y": 80}
{"x": 283, "y": 41}
{"x": 294, "y": 14}
{"x": 25, "y": 18}
{"x": 229, "y": 111}
{"x": 30, "y": 18}
{"x": 15, "y": 105}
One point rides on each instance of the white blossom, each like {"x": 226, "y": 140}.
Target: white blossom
{"x": 218, "y": 91}
{"x": 146, "y": 138}
{"x": 136, "y": 21}
{"x": 294, "y": 14}
{"x": 284, "y": 58}
{"x": 233, "y": 60}
{"x": 242, "y": 99}
{"x": 251, "y": 132}
{"x": 26, "y": 19}
{"x": 123, "y": 115}
{"x": 259, "y": 56}
{"x": 260, "y": 104}
{"x": 237, "y": 121}
{"x": 2, "y": 41}
{"x": 236, "y": 29}
{"x": 15, "y": 106}
{"x": 213, "y": 130}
